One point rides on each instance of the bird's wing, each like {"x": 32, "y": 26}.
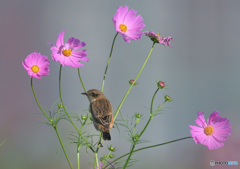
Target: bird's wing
{"x": 101, "y": 111}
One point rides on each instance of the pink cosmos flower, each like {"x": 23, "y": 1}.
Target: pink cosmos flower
{"x": 213, "y": 133}
{"x": 68, "y": 53}
{"x": 156, "y": 38}
{"x": 128, "y": 24}
{"x": 36, "y": 65}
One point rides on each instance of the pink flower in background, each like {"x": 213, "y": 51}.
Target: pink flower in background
{"x": 36, "y": 65}
{"x": 128, "y": 24}
{"x": 68, "y": 53}
{"x": 156, "y": 38}
{"x": 213, "y": 133}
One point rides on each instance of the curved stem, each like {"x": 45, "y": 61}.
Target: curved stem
{"x": 45, "y": 114}
{"x": 79, "y": 75}
{"x": 60, "y": 95}
{"x": 156, "y": 145}
{"x": 105, "y": 73}
{"x": 153, "y": 100}
{"x": 54, "y": 125}
{"x": 59, "y": 138}
{"x": 120, "y": 105}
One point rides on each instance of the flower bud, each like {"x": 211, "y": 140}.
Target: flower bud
{"x": 83, "y": 117}
{"x": 136, "y": 137}
{"x": 111, "y": 148}
{"x": 137, "y": 115}
{"x": 111, "y": 155}
{"x": 60, "y": 106}
{"x": 167, "y": 98}
{"x": 161, "y": 84}
{"x": 91, "y": 118}
{"x": 131, "y": 82}
{"x": 105, "y": 156}
{"x": 102, "y": 159}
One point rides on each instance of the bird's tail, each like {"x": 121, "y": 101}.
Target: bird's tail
{"x": 106, "y": 135}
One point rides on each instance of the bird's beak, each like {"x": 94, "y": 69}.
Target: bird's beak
{"x": 84, "y": 93}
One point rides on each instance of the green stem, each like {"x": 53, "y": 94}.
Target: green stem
{"x": 79, "y": 75}
{"x": 153, "y": 100}
{"x": 78, "y": 157}
{"x": 59, "y": 138}
{"x": 96, "y": 161}
{"x": 149, "y": 120}
{"x": 105, "y": 73}
{"x": 99, "y": 142}
{"x": 156, "y": 145}
{"x": 54, "y": 125}
{"x": 60, "y": 95}
{"x": 49, "y": 119}
{"x": 119, "y": 107}
{"x": 3, "y": 142}
{"x": 130, "y": 154}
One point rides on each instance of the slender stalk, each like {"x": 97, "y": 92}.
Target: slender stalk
{"x": 130, "y": 154}
{"x": 99, "y": 142}
{"x": 59, "y": 138}
{"x": 78, "y": 157}
{"x": 96, "y": 161}
{"x": 3, "y": 142}
{"x": 79, "y": 75}
{"x": 110, "y": 55}
{"x": 54, "y": 125}
{"x": 143, "y": 148}
{"x": 153, "y": 100}
{"x": 120, "y": 105}
{"x": 60, "y": 95}
{"x": 45, "y": 114}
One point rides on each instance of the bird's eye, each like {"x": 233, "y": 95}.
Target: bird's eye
{"x": 94, "y": 94}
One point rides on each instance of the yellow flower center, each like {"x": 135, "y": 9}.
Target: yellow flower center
{"x": 208, "y": 130}
{"x": 66, "y": 52}
{"x": 35, "y": 68}
{"x": 123, "y": 28}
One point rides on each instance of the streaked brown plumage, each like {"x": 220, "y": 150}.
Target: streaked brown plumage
{"x": 101, "y": 110}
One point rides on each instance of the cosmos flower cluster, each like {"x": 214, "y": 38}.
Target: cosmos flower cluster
{"x": 129, "y": 25}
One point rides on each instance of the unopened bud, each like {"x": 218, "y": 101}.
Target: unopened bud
{"x": 111, "y": 156}
{"x": 111, "y": 148}
{"x": 60, "y": 106}
{"x": 131, "y": 82}
{"x": 161, "y": 84}
{"x": 136, "y": 137}
{"x": 91, "y": 118}
{"x": 167, "y": 98}
{"x": 137, "y": 115}
{"x": 83, "y": 117}
{"x": 105, "y": 156}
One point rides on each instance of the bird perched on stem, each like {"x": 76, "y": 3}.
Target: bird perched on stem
{"x": 101, "y": 110}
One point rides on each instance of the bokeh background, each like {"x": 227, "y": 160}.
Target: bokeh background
{"x": 201, "y": 71}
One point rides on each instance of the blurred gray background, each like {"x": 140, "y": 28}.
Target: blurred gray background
{"x": 201, "y": 72}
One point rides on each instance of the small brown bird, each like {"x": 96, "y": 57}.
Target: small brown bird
{"x": 101, "y": 110}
